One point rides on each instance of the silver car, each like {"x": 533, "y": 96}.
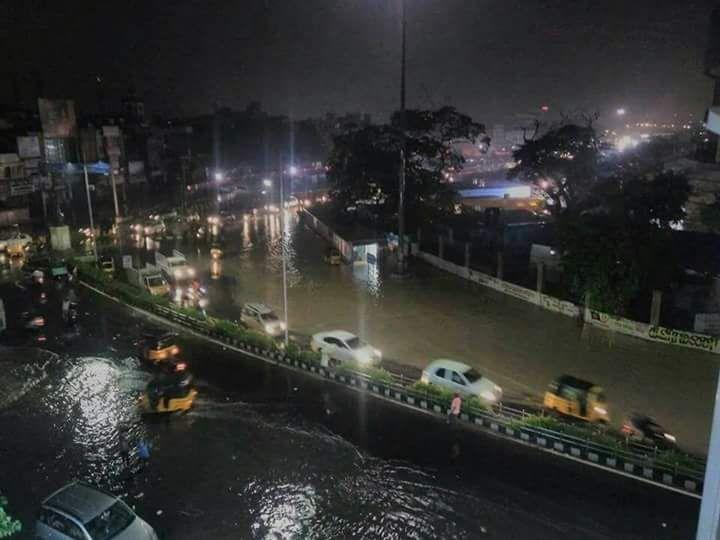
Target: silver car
{"x": 262, "y": 318}
{"x": 82, "y": 512}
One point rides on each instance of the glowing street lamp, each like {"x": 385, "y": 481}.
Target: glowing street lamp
{"x": 267, "y": 182}
{"x": 292, "y": 170}
{"x": 621, "y": 111}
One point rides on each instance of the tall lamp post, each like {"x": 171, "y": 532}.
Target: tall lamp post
{"x": 401, "y": 181}
{"x": 90, "y": 209}
{"x": 292, "y": 171}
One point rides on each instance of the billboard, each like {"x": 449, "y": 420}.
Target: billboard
{"x": 57, "y": 117}
{"x": 28, "y": 147}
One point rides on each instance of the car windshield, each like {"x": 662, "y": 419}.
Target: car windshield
{"x": 471, "y": 375}
{"x": 354, "y": 342}
{"x": 154, "y": 281}
{"x": 269, "y": 317}
{"x": 109, "y": 523}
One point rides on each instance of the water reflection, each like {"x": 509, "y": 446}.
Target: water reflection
{"x": 284, "y": 510}
{"x": 98, "y": 398}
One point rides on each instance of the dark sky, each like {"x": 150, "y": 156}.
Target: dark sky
{"x": 490, "y": 58}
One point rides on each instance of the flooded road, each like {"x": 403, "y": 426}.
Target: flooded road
{"x": 269, "y": 453}
{"x": 436, "y": 315}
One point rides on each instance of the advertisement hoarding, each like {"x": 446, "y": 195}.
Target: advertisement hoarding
{"x": 57, "y": 117}
{"x": 28, "y": 147}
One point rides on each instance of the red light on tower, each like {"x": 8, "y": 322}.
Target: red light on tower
{"x": 545, "y": 108}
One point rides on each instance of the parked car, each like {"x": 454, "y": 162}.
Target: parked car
{"x": 263, "y": 318}
{"x": 15, "y": 242}
{"x": 341, "y": 346}
{"x": 645, "y": 429}
{"x": 463, "y": 379}
{"x": 81, "y": 511}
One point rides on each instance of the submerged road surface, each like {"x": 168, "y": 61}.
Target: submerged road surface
{"x": 437, "y": 315}
{"x": 269, "y": 453}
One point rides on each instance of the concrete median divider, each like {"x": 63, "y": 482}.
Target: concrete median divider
{"x": 501, "y": 422}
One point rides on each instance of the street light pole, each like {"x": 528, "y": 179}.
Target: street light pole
{"x": 90, "y": 210}
{"x": 401, "y": 180}
{"x": 283, "y": 252}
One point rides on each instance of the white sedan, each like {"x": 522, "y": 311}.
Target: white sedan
{"x": 342, "y": 346}
{"x": 461, "y": 378}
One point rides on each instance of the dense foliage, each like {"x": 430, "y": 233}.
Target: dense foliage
{"x": 8, "y": 525}
{"x": 364, "y": 164}
{"x": 562, "y": 163}
{"x": 618, "y": 242}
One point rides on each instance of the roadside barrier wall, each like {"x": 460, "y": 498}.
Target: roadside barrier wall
{"x": 343, "y": 246}
{"x": 593, "y": 317}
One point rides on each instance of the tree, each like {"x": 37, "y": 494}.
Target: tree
{"x": 618, "y": 243}
{"x": 562, "y": 163}
{"x": 710, "y": 215}
{"x": 8, "y": 525}
{"x": 364, "y": 163}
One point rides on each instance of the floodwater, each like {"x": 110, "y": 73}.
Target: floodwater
{"x": 270, "y": 454}
{"x": 436, "y": 315}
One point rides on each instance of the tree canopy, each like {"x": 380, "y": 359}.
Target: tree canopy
{"x": 8, "y": 525}
{"x": 562, "y": 163}
{"x": 364, "y": 163}
{"x": 618, "y": 242}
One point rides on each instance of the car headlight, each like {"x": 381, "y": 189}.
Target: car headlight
{"x": 600, "y": 410}
{"x": 488, "y": 396}
{"x": 669, "y": 437}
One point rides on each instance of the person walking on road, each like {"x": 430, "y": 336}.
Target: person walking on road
{"x": 455, "y": 406}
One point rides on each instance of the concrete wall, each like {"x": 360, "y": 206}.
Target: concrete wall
{"x": 342, "y": 245}
{"x": 593, "y": 317}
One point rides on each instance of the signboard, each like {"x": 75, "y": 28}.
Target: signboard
{"x": 111, "y": 134}
{"x": 28, "y": 147}
{"x": 21, "y": 186}
{"x": 57, "y": 117}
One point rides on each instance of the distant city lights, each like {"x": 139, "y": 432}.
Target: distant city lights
{"x": 621, "y": 111}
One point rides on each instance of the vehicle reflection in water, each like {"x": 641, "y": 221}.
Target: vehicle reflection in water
{"x": 215, "y": 269}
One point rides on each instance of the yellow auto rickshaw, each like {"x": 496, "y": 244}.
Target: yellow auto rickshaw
{"x": 160, "y": 349}
{"x": 570, "y": 396}
{"x": 168, "y": 393}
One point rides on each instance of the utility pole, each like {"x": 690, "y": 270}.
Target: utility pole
{"x": 403, "y": 147}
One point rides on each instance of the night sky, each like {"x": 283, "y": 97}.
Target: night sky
{"x": 490, "y": 58}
